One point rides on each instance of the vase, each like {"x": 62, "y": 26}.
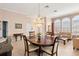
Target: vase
{"x": 39, "y": 37}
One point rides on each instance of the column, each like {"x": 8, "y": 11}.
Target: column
{"x": 71, "y": 25}
{"x": 60, "y": 25}
{"x": 52, "y": 27}
{"x": 45, "y": 24}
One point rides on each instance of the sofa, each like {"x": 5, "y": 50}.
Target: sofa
{"x": 65, "y": 36}
{"x": 75, "y": 42}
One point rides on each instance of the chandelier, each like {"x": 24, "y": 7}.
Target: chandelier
{"x": 39, "y": 20}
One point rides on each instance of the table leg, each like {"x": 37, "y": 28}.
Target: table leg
{"x": 64, "y": 42}
{"x": 21, "y": 37}
{"x": 39, "y": 51}
{"x": 16, "y": 38}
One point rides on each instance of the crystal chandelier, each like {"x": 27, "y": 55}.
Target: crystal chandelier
{"x": 39, "y": 19}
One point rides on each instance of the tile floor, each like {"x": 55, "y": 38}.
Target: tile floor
{"x": 64, "y": 50}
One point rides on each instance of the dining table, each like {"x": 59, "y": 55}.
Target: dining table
{"x": 43, "y": 42}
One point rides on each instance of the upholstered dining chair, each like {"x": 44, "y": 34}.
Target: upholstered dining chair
{"x": 32, "y": 34}
{"x": 52, "y": 50}
{"x": 9, "y": 39}
{"x": 28, "y": 48}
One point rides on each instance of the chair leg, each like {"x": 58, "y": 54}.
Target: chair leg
{"x": 56, "y": 54}
{"x": 73, "y": 47}
{"x": 42, "y": 54}
{"x": 25, "y": 53}
{"x": 64, "y": 42}
{"x": 51, "y": 54}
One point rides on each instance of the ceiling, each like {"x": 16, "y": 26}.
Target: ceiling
{"x": 32, "y": 9}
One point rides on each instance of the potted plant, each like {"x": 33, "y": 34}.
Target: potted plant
{"x": 39, "y": 36}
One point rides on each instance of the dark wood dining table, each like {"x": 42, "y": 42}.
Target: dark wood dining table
{"x": 45, "y": 41}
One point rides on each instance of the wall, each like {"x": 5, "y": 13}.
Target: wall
{"x": 48, "y": 23}
{"x": 13, "y": 18}
{"x": 26, "y": 22}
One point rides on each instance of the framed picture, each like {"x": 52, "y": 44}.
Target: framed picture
{"x": 18, "y": 26}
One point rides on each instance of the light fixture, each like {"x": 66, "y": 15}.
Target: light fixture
{"x": 55, "y": 10}
{"x": 46, "y": 6}
{"x": 40, "y": 22}
{"x": 39, "y": 19}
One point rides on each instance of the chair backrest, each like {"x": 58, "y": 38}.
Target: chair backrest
{"x": 31, "y": 34}
{"x": 26, "y": 43}
{"x": 75, "y": 36}
{"x": 66, "y": 34}
{"x": 55, "y": 45}
{"x": 9, "y": 39}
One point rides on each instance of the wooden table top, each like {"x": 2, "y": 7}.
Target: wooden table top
{"x": 45, "y": 41}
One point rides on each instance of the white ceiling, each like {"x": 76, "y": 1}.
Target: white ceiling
{"x": 31, "y": 9}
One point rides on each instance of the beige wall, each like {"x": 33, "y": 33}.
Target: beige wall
{"x": 13, "y": 18}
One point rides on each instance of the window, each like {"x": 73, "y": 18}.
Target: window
{"x": 75, "y": 25}
{"x": 57, "y": 25}
{"x": 66, "y": 25}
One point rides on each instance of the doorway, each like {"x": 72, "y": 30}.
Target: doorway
{"x": 4, "y": 31}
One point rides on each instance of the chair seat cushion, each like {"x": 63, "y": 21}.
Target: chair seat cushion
{"x": 32, "y": 47}
{"x": 63, "y": 38}
{"x": 47, "y": 49}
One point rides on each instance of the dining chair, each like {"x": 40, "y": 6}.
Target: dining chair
{"x": 9, "y": 39}
{"x": 32, "y": 34}
{"x": 29, "y": 48}
{"x": 52, "y": 50}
